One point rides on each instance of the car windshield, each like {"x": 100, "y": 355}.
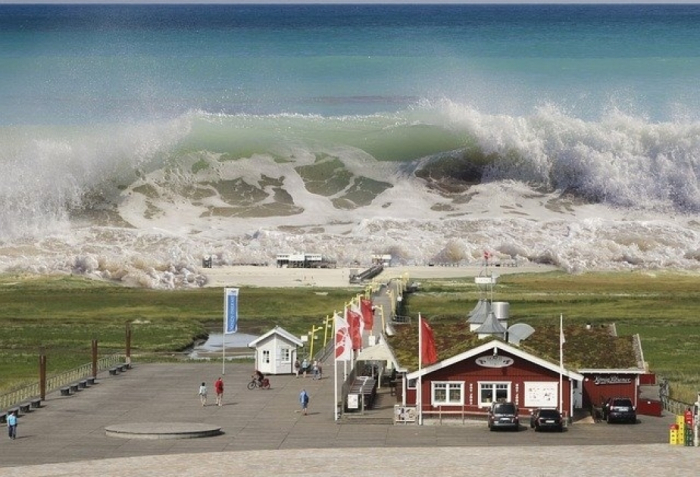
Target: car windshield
{"x": 549, "y": 413}
{"x": 505, "y": 409}
{"x": 622, "y": 402}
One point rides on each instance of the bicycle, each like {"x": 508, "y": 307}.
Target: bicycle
{"x": 263, "y": 384}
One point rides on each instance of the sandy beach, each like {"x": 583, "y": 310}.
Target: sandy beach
{"x": 236, "y": 276}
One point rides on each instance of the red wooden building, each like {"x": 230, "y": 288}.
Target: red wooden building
{"x": 467, "y": 383}
{"x": 597, "y": 365}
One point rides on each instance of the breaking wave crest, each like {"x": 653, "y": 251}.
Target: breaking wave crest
{"x": 150, "y": 199}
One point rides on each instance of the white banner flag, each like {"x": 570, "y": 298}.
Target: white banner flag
{"x": 343, "y": 343}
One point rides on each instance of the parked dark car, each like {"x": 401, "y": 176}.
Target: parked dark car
{"x": 546, "y": 419}
{"x": 619, "y": 409}
{"x": 503, "y": 415}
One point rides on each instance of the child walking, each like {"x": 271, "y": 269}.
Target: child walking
{"x": 203, "y": 394}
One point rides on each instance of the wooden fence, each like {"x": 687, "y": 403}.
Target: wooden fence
{"x": 57, "y": 381}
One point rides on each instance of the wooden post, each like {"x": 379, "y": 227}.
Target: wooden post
{"x": 128, "y": 345}
{"x": 94, "y": 358}
{"x": 42, "y": 373}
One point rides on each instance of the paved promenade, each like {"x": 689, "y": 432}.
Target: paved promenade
{"x": 264, "y": 434}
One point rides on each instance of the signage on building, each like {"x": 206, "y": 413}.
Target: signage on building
{"x": 611, "y": 380}
{"x": 494, "y": 361}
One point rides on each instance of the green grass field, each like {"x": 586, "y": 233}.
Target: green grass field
{"x": 63, "y": 315}
{"x": 662, "y": 307}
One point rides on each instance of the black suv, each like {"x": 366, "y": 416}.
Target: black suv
{"x": 619, "y": 409}
{"x": 544, "y": 418}
{"x": 503, "y": 415}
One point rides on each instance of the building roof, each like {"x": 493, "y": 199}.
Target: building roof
{"x": 494, "y": 346}
{"x": 378, "y": 352}
{"x": 491, "y": 326}
{"x": 584, "y": 348}
{"x": 276, "y": 331}
{"x": 480, "y": 312}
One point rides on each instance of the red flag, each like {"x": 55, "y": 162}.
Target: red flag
{"x": 354, "y": 322}
{"x": 343, "y": 343}
{"x": 367, "y": 313}
{"x": 428, "y": 351}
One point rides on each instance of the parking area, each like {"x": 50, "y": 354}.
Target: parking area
{"x": 71, "y": 430}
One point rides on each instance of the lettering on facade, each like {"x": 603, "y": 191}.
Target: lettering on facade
{"x": 611, "y": 380}
{"x": 494, "y": 361}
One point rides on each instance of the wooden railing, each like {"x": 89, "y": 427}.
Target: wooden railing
{"x": 30, "y": 391}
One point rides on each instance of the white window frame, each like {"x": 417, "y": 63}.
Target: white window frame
{"x": 448, "y": 386}
{"x": 493, "y": 384}
{"x": 286, "y": 355}
{"x": 266, "y": 356}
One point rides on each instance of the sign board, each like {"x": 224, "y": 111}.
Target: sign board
{"x": 353, "y": 401}
{"x": 598, "y": 380}
{"x": 541, "y": 394}
{"x": 494, "y": 361}
{"x": 404, "y": 413}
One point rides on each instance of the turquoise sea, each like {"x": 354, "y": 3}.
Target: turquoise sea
{"x": 139, "y": 133}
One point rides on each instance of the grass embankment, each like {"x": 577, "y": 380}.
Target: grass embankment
{"x": 662, "y": 307}
{"x": 64, "y": 314}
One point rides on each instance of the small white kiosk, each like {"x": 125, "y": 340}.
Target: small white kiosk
{"x": 276, "y": 351}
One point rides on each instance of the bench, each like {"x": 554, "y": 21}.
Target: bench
{"x": 3, "y": 417}
{"x": 82, "y": 384}
{"x": 74, "y": 388}
{"x": 35, "y": 403}
{"x": 113, "y": 371}
{"x": 90, "y": 381}
{"x": 478, "y": 415}
{"x": 65, "y": 391}
{"x": 122, "y": 367}
{"x": 24, "y": 408}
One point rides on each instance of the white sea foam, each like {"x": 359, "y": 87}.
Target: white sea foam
{"x": 616, "y": 194}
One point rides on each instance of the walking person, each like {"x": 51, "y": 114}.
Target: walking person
{"x": 304, "y": 366}
{"x": 316, "y": 368}
{"x": 203, "y": 394}
{"x": 12, "y": 425}
{"x": 304, "y": 401}
{"x": 219, "y": 388}
{"x": 297, "y": 366}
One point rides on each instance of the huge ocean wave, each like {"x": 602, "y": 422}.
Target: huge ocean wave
{"x": 144, "y": 202}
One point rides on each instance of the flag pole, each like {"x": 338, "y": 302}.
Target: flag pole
{"x": 561, "y": 362}
{"x": 420, "y": 376}
{"x": 335, "y": 367}
{"x": 223, "y": 335}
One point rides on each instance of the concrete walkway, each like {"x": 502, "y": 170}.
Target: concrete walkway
{"x": 264, "y": 434}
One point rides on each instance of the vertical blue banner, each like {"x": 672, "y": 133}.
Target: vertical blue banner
{"x": 230, "y": 310}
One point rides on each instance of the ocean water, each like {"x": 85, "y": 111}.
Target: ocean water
{"x": 137, "y": 139}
